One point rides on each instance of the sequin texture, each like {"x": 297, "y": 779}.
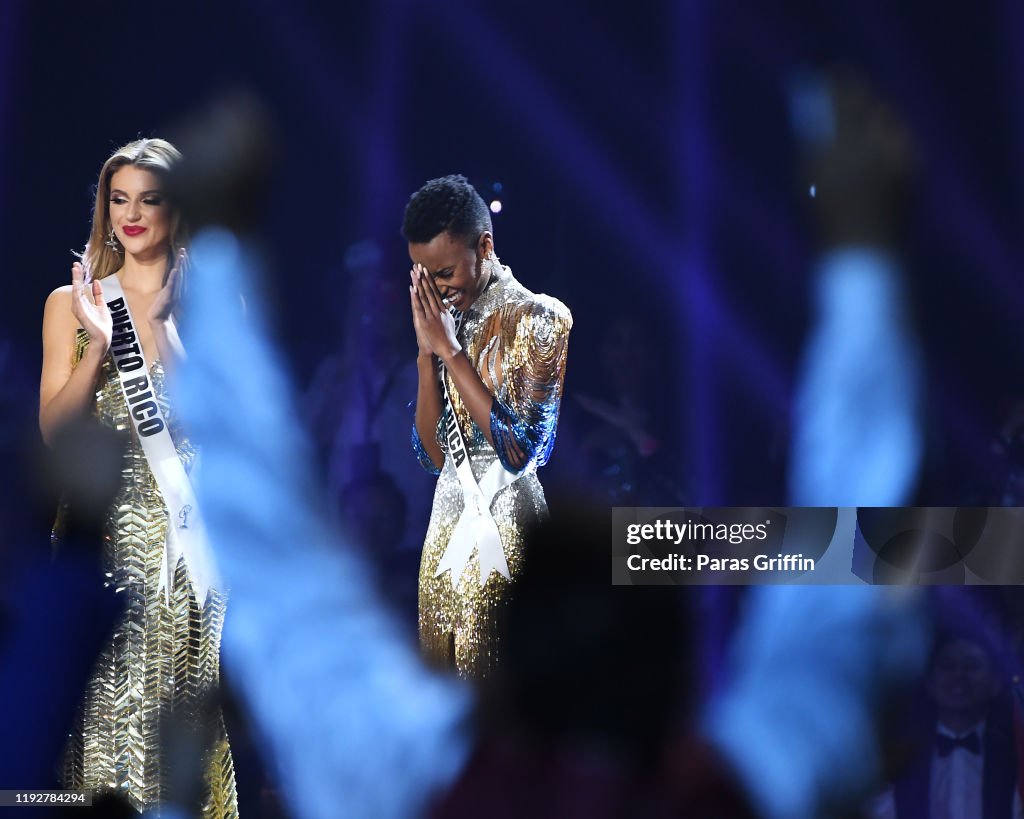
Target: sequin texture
{"x": 518, "y": 342}
{"x": 163, "y": 657}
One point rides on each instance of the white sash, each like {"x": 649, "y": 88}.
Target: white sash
{"x": 186, "y": 534}
{"x": 475, "y": 527}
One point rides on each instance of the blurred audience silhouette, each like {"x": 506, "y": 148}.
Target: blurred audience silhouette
{"x": 858, "y": 426}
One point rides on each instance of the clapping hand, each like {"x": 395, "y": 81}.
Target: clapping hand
{"x": 88, "y": 306}
{"x": 167, "y": 300}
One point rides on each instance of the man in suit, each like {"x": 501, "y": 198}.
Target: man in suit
{"x": 967, "y": 767}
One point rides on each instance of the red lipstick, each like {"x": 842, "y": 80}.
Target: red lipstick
{"x": 133, "y": 230}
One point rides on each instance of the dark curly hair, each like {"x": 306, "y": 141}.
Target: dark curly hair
{"x": 450, "y": 204}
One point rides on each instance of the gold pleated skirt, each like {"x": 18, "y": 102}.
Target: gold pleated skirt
{"x": 155, "y": 682}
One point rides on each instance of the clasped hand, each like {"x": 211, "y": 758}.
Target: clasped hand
{"x": 435, "y": 326}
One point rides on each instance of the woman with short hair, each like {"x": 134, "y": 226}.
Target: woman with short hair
{"x": 491, "y": 362}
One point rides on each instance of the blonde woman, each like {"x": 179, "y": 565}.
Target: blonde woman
{"x": 108, "y": 340}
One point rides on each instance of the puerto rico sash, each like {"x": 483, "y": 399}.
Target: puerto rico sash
{"x": 475, "y": 528}
{"x": 186, "y": 535}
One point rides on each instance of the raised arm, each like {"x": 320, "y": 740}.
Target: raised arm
{"x": 517, "y": 411}
{"x": 428, "y": 392}
{"x": 67, "y": 391}
{"x": 437, "y": 328}
{"x": 308, "y": 634}
{"x": 161, "y": 314}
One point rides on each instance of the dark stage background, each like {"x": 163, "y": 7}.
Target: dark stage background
{"x": 648, "y": 170}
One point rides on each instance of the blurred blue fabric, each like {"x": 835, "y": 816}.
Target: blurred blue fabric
{"x": 857, "y": 427}
{"x": 814, "y": 668}
{"x": 356, "y": 725}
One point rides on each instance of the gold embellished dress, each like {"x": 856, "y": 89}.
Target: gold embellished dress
{"x": 162, "y": 660}
{"x": 518, "y": 343}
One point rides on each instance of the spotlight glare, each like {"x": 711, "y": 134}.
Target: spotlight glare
{"x": 496, "y": 206}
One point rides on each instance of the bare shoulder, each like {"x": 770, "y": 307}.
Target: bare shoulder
{"x": 57, "y": 312}
{"x": 59, "y": 296}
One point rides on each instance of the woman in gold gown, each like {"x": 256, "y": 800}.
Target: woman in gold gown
{"x": 162, "y": 662}
{"x": 498, "y": 351}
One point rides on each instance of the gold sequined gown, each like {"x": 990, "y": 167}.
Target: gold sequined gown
{"x": 518, "y": 343}
{"x": 162, "y": 657}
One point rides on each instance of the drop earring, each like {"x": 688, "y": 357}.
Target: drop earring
{"x": 112, "y": 242}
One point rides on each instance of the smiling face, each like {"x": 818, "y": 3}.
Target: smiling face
{"x": 139, "y": 212}
{"x": 458, "y": 268}
{"x": 962, "y": 678}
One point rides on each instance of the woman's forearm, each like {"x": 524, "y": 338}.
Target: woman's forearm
{"x": 428, "y": 408}
{"x": 472, "y": 391}
{"x": 168, "y": 344}
{"x": 75, "y": 398}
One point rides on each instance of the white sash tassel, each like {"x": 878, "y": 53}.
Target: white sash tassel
{"x": 475, "y": 528}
